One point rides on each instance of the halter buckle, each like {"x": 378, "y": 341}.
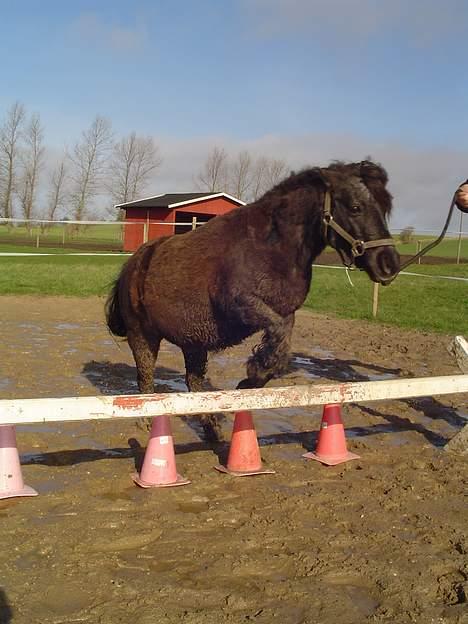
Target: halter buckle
{"x": 358, "y": 248}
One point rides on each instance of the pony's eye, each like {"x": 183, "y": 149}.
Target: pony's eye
{"x": 355, "y": 209}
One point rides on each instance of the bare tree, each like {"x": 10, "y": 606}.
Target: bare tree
{"x": 213, "y": 176}
{"x": 89, "y": 165}
{"x": 133, "y": 161}
{"x": 9, "y": 137}
{"x": 32, "y": 157}
{"x": 57, "y": 189}
{"x": 276, "y": 171}
{"x": 241, "y": 175}
{"x": 258, "y": 177}
{"x": 267, "y": 173}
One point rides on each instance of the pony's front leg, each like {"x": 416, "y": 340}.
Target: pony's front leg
{"x": 270, "y": 358}
{"x": 195, "y": 371}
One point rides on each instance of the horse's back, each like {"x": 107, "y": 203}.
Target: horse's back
{"x": 178, "y": 278}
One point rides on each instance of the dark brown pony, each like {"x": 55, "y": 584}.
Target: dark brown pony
{"x": 250, "y": 270}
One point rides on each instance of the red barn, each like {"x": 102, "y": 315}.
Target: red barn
{"x": 171, "y": 213}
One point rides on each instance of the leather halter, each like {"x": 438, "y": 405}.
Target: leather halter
{"x": 358, "y": 247}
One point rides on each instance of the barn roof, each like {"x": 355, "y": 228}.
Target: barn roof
{"x": 173, "y": 200}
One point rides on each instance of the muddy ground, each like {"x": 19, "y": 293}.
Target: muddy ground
{"x": 380, "y": 539}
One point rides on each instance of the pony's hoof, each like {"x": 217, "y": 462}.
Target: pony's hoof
{"x": 212, "y": 431}
{"x": 144, "y": 424}
{"x": 244, "y": 384}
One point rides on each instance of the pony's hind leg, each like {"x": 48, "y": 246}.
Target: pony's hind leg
{"x": 145, "y": 353}
{"x": 270, "y": 358}
{"x": 195, "y": 371}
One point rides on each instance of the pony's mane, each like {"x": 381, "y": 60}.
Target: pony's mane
{"x": 372, "y": 174}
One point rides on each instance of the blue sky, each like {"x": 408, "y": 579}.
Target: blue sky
{"x": 305, "y": 80}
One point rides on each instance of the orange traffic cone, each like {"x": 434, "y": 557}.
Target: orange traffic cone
{"x": 331, "y": 446}
{"x": 244, "y": 454}
{"x": 11, "y": 479}
{"x": 159, "y": 466}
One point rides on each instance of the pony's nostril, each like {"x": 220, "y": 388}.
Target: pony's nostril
{"x": 387, "y": 263}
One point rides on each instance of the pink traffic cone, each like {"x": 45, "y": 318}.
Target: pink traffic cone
{"x": 11, "y": 479}
{"x": 244, "y": 454}
{"x": 159, "y": 465}
{"x": 331, "y": 446}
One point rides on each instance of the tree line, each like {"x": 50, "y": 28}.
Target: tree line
{"x": 101, "y": 165}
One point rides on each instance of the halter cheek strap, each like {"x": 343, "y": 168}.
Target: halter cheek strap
{"x": 358, "y": 247}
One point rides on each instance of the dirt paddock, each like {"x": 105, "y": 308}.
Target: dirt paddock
{"x": 380, "y": 539}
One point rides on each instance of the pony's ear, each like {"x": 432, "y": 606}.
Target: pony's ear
{"x": 375, "y": 178}
{"x": 371, "y": 172}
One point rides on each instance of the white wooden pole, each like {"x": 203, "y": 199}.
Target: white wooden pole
{"x": 375, "y": 299}
{"x": 460, "y": 232}
{"x": 181, "y": 403}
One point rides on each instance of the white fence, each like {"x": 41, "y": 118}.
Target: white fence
{"x": 21, "y": 411}
{"x": 110, "y": 234}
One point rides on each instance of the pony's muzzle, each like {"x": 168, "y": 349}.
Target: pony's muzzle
{"x": 383, "y": 263}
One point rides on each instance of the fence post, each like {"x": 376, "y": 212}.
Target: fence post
{"x": 375, "y": 299}
{"x": 37, "y": 240}
{"x": 145, "y": 232}
{"x": 194, "y": 223}
{"x": 63, "y": 233}
{"x": 418, "y": 250}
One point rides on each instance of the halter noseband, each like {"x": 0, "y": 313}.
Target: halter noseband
{"x": 358, "y": 247}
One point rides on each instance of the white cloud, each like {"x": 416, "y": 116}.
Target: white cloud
{"x": 93, "y": 29}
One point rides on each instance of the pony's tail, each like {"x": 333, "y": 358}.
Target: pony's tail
{"x": 114, "y": 318}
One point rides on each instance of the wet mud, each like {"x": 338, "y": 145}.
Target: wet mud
{"x": 379, "y": 539}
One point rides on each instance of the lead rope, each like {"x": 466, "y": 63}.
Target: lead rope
{"x": 347, "y": 269}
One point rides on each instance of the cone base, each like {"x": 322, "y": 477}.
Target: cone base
{"x": 329, "y": 460}
{"x": 243, "y": 473}
{"x": 25, "y": 491}
{"x": 144, "y": 484}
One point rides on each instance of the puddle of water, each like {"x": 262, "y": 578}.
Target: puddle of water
{"x": 67, "y": 326}
{"x": 177, "y": 384}
{"x": 37, "y": 428}
{"x": 360, "y": 595}
{"x": 29, "y": 326}
{"x": 194, "y": 507}
{"x": 116, "y": 496}
{"x": 381, "y": 376}
{"x": 5, "y": 382}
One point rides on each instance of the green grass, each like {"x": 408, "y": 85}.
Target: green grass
{"x": 446, "y": 249}
{"x": 59, "y": 235}
{"x": 77, "y": 276}
{"x": 413, "y": 302}
{"x": 4, "y": 247}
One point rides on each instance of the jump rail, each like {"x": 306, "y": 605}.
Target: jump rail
{"x": 23, "y": 411}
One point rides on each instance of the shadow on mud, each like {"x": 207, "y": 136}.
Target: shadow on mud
{"x": 6, "y": 613}
{"x": 117, "y": 378}
{"x": 354, "y": 370}
{"x": 111, "y": 378}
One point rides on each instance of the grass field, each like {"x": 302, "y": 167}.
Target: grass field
{"x": 55, "y": 233}
{"x": 417, "y": 302}
{"x": 448, "y": 248}
{"x": 77, "y": 276}
{"x": 410, "y": 301}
